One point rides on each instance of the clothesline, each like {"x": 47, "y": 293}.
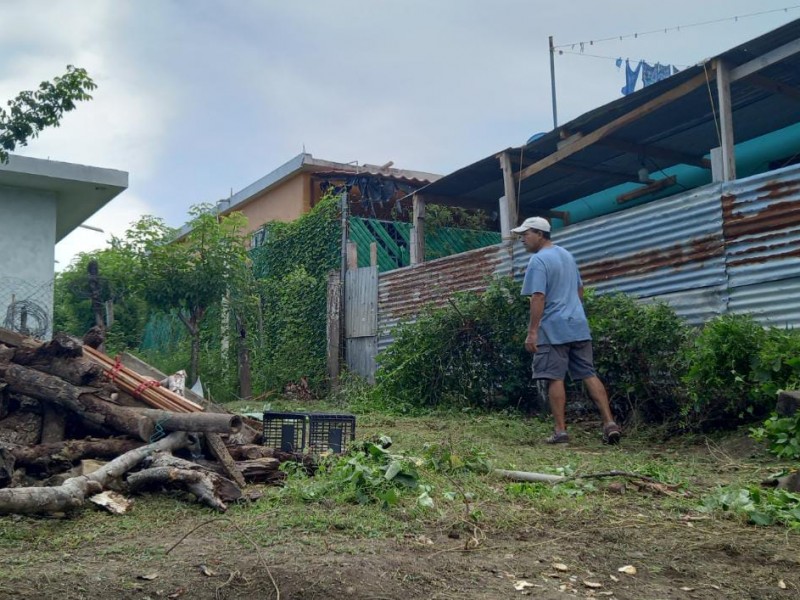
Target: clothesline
{"x": 615, "y": 58}
{"x": 583, "y": 44}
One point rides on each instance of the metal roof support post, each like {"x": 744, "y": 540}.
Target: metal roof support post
{"x": 509, "y": 185}
{"x": 418, "y": 230}
{"x": 725, "y": 121}
{"x": 505, "y": 222}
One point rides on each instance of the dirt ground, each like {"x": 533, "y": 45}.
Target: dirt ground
{"x": 697, "y": 560}
{"x": 675, "y": 555}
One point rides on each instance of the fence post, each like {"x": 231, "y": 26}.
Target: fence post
{"x": 334, "y": 328}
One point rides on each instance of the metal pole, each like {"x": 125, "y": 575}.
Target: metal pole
{"x": 553, "y": 81}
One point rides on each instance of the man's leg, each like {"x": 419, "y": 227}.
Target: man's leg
{"x": 558, "y": 403}
{"x": 597, "y": 392}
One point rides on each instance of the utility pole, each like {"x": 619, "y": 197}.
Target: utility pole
{"x": 553, "y": 81}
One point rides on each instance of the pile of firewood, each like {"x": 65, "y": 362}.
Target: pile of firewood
{"x": 77, "y": 425}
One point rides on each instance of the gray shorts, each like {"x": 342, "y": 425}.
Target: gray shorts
{"x": 553, "y": 361}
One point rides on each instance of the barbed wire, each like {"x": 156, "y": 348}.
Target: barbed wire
{"x": 27, "y": 306}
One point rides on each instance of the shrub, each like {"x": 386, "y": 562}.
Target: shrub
{"x": 638, "y": 355}
{"x": 782, "y": 434}
{"x": 470, "y": 353}
{"x": 731, "y": 376}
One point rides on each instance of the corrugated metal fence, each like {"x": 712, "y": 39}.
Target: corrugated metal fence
{"x": 726, "y": 247}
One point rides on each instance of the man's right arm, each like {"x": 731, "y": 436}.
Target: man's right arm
{"x": 536, "y": 312}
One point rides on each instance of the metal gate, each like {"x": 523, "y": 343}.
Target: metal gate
{"x": 361, "y": 320}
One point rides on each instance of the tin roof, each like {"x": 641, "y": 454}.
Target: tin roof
{"x": 679, "y": 132}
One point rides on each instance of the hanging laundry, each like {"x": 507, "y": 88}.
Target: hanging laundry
{"x": 631, "y": 77}
{"x": 657, "y": 72}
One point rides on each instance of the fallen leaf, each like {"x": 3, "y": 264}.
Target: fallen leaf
{"x": 609, "y": 593}
{"x": 687, "y": 589}
{"x": 628, "y": 570}
{"x": 782, "y": 584}
{"x": 592, "y": 584}
{"x": 522, "y": 584}
{"x": 613, "y": 578}
{"x": 424, "y": 539}
{"x": 560, "y": 567}
{"x": 148, "y": 576}
{"x": 206, "y": 571}
{"x": 177, "y": 593}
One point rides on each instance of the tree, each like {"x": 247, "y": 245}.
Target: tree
{"x": 32, "y": 111}
{"x": 194, "y": 273}
{"x": 118, "y": 288}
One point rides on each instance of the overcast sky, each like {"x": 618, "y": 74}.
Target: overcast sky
{"x": 198, "y": 98}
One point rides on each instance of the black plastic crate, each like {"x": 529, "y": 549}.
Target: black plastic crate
{"x": 285, "y": 431}
{"x": 330, "y": 432}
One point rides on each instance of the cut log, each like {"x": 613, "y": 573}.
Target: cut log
{"x": 217, "y": 448}
{"x": 249, "y": 451}
{"x": 167, "y": 470}
{"x": 247, "y": 435}
{"x": 53, "y": 425}
{"x": 261, "y": 470}
{"x": 62, "y": 345}
{"x": 44, "y": 456}
{"x": 22, "y": 427}
{"x": 7, "y": 462}
{"x": 73, "y": 492}
{"x": 77, "y": 371}
{"x": 205, "y": 422}
{"x": 17, "y": 340}
{"x": 788, "y": 404}
{"x": 49, "y": 388}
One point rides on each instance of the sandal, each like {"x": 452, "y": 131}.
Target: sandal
{"x": 611, "y": 434}
{"x": 558, "y": 437}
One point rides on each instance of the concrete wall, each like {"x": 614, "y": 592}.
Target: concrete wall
{"x": 285, "y": 202}
{"x": 27, "y": 255}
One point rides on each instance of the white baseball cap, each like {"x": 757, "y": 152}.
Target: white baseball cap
{"x": 537, "y": 223}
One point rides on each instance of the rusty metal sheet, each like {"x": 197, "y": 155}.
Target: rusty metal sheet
{"x": 762, "y": 227}
{"x": 770, "y": 303}
{"x": 403, "y": 293}
{"x": 659, "y": 248}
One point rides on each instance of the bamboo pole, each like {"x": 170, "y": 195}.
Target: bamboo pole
{"x": 143, "y": 388}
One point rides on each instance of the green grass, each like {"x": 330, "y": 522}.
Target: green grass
{"x": 471, "y": 504}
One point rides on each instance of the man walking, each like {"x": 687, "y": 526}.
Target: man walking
{"x": 558, "y": 332}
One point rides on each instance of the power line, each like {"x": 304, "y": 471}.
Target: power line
{"x": 583, "y": 44}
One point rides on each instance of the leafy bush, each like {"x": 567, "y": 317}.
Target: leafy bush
{"x": 368, "y": 473}
{"x": 722, "y": 359}
{"x": 778, "y": 363}
{"x": 469, "y": 353}
{"x": 761, "y": 507}
{"x": 782, "y": 434}
{"x": 637, "y": 353}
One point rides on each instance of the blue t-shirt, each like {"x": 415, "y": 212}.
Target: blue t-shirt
{"x": 553, "y": 272}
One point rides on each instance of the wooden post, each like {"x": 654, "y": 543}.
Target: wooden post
{"x": 352, "y": 256}
{"x": 334, "y": 328}
{"x": 505, "y": 222}
{"x": 725, "y": 121}
{"x": 510, "y": 189}
{"x": 373, "y": 254}
{"x": 418, "y": 230}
